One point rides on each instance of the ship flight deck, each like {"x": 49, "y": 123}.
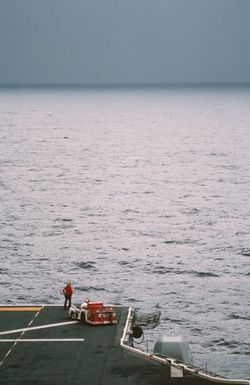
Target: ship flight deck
{"x": 41, "y": 345}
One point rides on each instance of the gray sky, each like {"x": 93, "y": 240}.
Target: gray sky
{"x": 124, "y": 41}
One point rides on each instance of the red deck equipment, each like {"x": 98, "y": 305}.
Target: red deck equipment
{"x": 94, "y": 313}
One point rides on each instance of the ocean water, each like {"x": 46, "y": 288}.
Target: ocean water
{"x": 139, "y": 197}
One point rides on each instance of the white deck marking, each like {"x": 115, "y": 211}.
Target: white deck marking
{"x": 14, "y": 344}
{"x": 44, "y": 340}
{"x": 37, "y": 327}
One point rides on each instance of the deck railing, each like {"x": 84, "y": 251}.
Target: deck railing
{"x": 176, "y": 368}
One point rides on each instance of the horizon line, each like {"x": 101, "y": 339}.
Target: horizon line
{"x": 125, "y": 85}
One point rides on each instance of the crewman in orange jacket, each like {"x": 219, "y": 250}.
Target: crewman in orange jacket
{"x": 67, "y": 291}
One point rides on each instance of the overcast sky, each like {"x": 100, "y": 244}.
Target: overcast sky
{"x": 124, "y": 41}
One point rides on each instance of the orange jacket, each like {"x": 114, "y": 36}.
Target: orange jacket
{"x": 68, "y": 290}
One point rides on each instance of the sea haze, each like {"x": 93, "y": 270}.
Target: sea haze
{"x": 139, "y": 197}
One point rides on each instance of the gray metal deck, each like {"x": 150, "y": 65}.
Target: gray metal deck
{"x": 75, "y": 353}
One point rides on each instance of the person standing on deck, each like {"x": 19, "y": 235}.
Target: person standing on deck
{"x": 67, "y": 291}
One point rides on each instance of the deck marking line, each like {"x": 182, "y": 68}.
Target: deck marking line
{"x": 14, "y": 344}
{"x": 35, "y": 316}
{"x": 38, "y": 327}
{"x": 44, "y": 340}
{"x": 33, "y": 319}
{"x": 20, "y": 308}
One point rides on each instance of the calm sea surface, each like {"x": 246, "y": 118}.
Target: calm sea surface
{"x": 139, "y": 197}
